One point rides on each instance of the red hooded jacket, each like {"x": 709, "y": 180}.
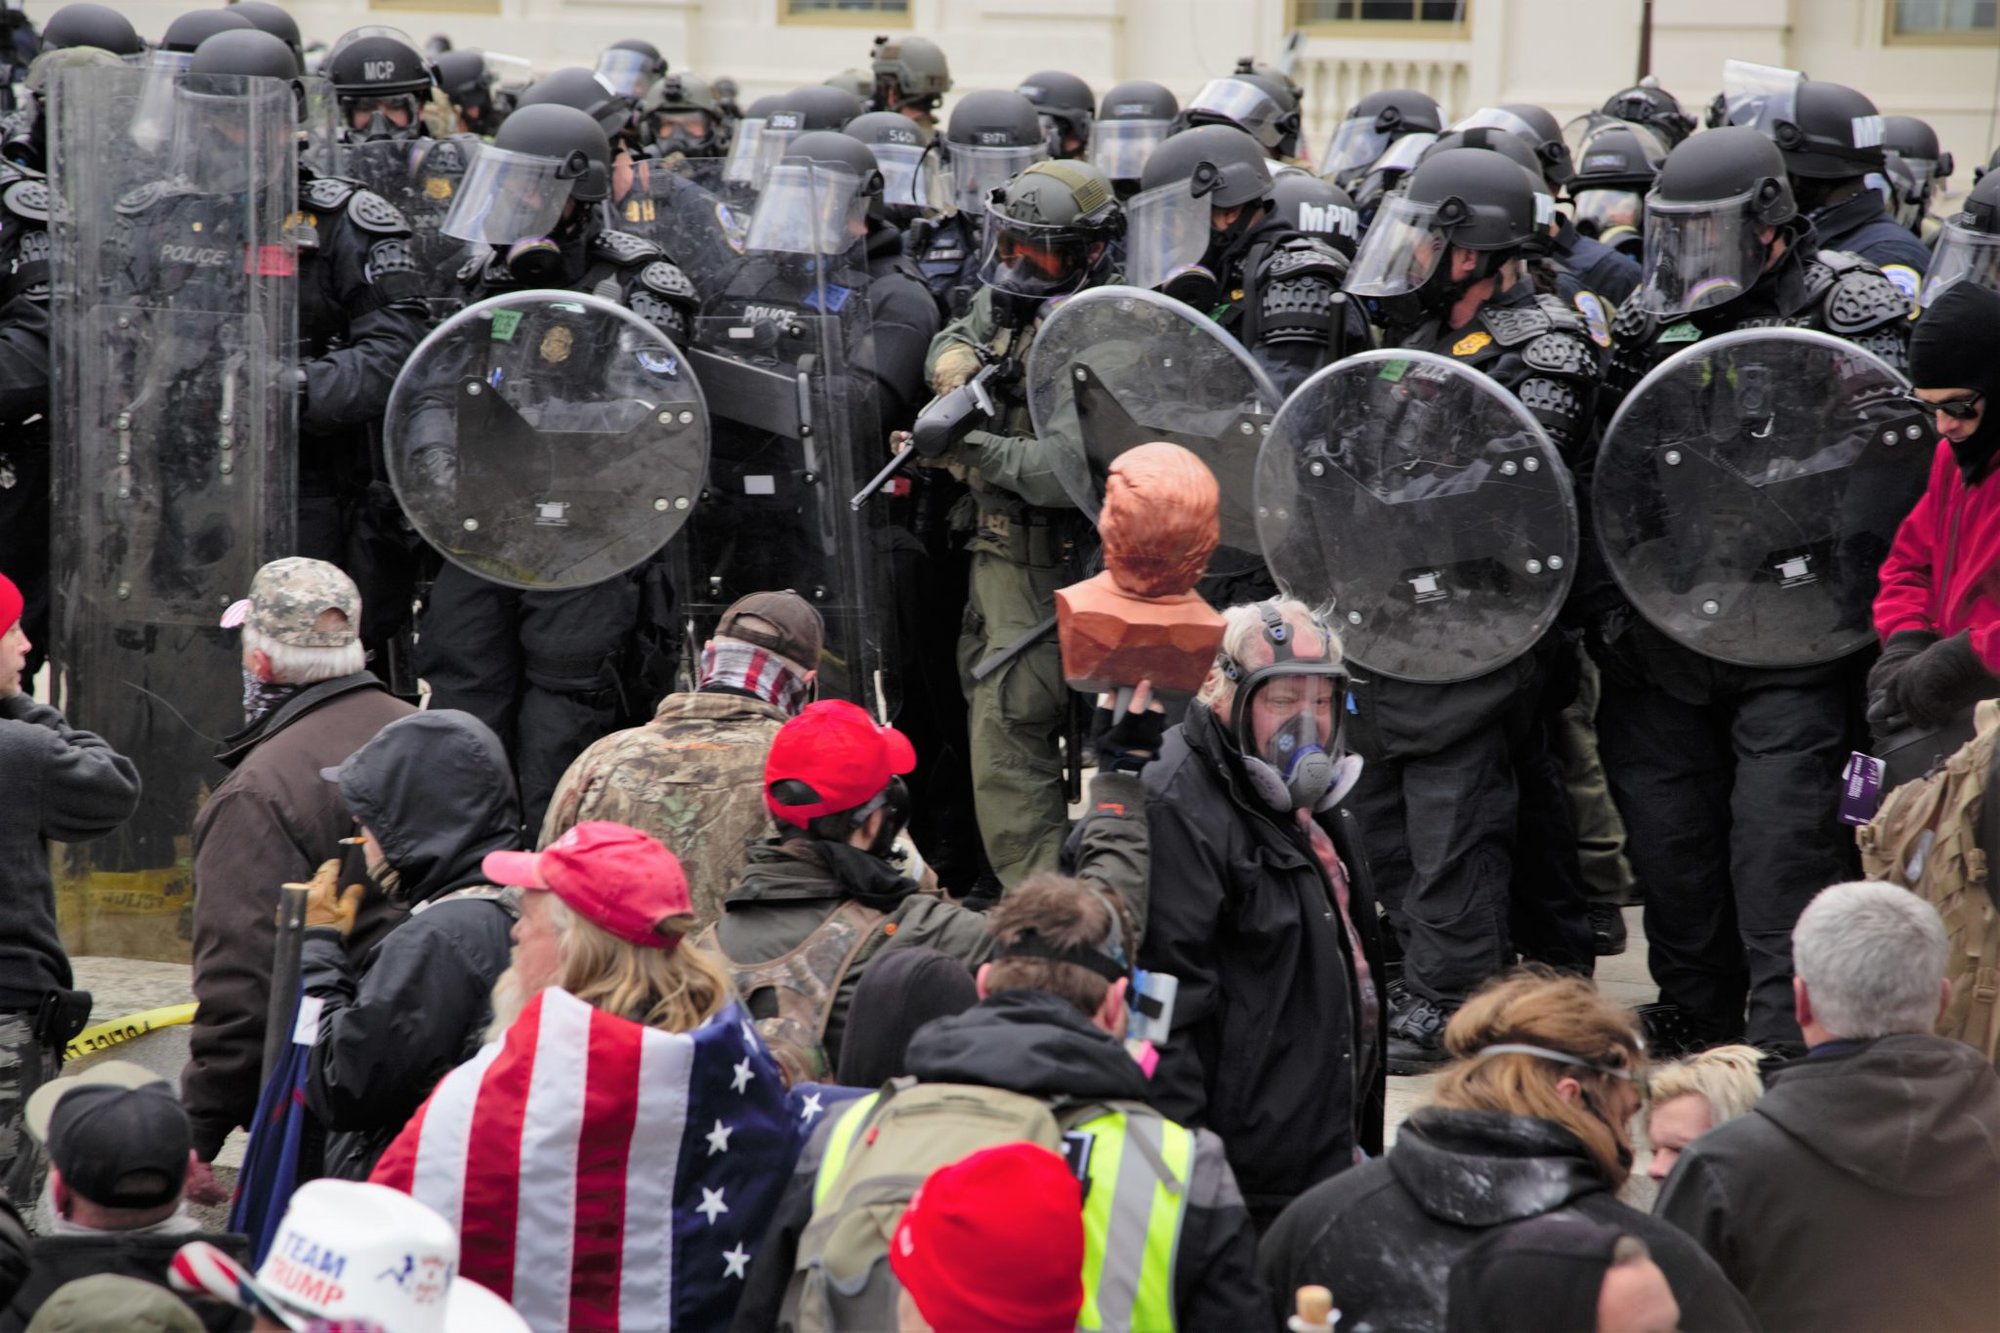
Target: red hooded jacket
{"x": 1943, "y": 573}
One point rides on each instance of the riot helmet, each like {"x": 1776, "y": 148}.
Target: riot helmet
{"x": 1708, "y": 219}
{"x": 1257, "y": 104}
{"x": 911, "y": 76}
{"x": 815, "y": 200}
{"x": 275, "y": 20}
{"x": 746, "y": 142}
{"x": 856, "y": 80}
{"x": 244, "y": 52}
{"x": 725, "y": 96}
{"x": 1066, "y": 105}
{"x": 1201, "y": 193}
{"x": 820, "y": 107}
{"x": 1285, "y": 716}
{"x": 630, "y": 66}
{"x": 1372, "y": 125}
{"x": 28, "y": 143}
{"x": 993, "y": 137}
{"x": 101, "y": 26}
{"x": 1652, "y": 106}
{"x": 1535, "y": 127}
{"x": 196, "y": 26}
{"x": 1491, "y": 138}
{"x": 582, "y": 90}
{"x": 1968, "y": 249}
{"x": 1833, "y": 133}
{"x": 468, "y": 83}
{"x": 914, "y": 182}
{"x": 1049, "y": 231}
{"x": 1915, "y": 144}
{"x": 1616, "y": 161}
{"x": 1132, "y": 120}
{"x": 516, "y": 191}
{"x": 1462, "y": 199}
{"x": 213, "y": 98}
{"x": 383, "y": 83}
{"x": 684, "y": 117}
{"x": 1317, "y": 208}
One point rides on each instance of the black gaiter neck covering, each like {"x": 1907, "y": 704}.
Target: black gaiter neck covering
{"x": 1957, "y": 346}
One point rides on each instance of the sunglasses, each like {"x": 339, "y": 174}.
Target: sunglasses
{"x": 1958, "y": 409}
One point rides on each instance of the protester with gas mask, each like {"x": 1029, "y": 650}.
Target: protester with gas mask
{"x": 1530, "y": 1121}
{"x": 433, "y": 793}
{"x": 1262, "y": 909}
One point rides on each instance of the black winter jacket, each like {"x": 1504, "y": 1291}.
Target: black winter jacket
{"x": 1035, "y": 1044}
{"x": 1862, "y": 1192}
{"x": 438, "y": 793}
{"x": 61, "y": 1259}
{"x": 1263, "y": 1043}
{"x": 1384, "y": 1236}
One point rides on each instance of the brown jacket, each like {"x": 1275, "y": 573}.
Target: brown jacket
{"x": 271, "y": 822}
{"x": 693, "y": 777}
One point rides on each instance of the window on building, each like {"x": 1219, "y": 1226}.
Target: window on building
{"x": 1308, "y": 13}
{"x": 1945, "y": 20}
{"x": 834, "y": 9}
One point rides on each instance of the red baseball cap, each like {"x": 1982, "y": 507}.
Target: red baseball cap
{"x": 610, "y": 874}
{"x": 11, "y": 603}
{"x": 1019, "y": 1200}
{"x": 834, "y": 748}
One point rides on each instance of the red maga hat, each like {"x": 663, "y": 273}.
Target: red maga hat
{"x": 840, "y": 754}
{"x": 611, "y": 875}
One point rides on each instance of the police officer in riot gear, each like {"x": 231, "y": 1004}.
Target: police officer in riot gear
{"x": 1274, "y": 288}
{"x": 24, "y": 397}
{"x": 911, "y": 78}
{"x": 1319, "y": 208}
{"x": 1914, "y": 144}
{"x": 1049, "y": 233}
{"x": 679, "y": 116}
{"x": 992, "y": 137}
{"x": 86, "y": 24}
{"x": 1727, "y": 774}
{"x": 630, "y": 66}
{"x": 1261, "y": 105}
{"x": 191, "y": 29}
{"x": 1469, "y": 763}
{"x": 1133, "y": 119}
{"x": 468, "y": 84}
{"x": 1066, "y": 105}
{"x": 551, "y": 672}
{"x": 1653, "y": 107}
{"x": 1968, "y": 248}
{"x": 1366, "y": 156}
{"x": 383, "y": 84}
{"x": 575, "y": 86}
{"x": 913, "y": 186}
{"x": 275, "y": 20}
{"x": 1616, "y": 162}
{"x": 1832, "y": 141}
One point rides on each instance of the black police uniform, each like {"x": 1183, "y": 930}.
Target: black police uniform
{"x": 1860, "y": 225}
{"x": 946, "y": 253}
{"x": 1596, "y": 267}
{"x": 24, "y": 398}
{"x": 1728, "y": 776}
{"x": 552, "y": 672}
{"x": 1453, "y": 770}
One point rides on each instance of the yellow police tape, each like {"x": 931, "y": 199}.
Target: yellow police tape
{"x": 103, "y": 1036}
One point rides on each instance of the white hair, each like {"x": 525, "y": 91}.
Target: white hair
{"x": 1243, "y": 640}
{"x": 1872, "y": 958}
{"x": 293, "y": 665}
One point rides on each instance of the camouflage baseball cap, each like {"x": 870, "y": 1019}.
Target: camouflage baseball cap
{"x": 781, "y": 622}
{"x": 288, "y": 597}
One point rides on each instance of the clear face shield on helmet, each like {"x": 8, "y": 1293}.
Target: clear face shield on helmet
{"x": 1759, "y": 96}
{"x": 1700, "y": 255}
{"x": 1119, "y": 148}
{"x": 977, "y": 170}
{"x": 1608, "y": 214}
{"x": 511, "y": 197}
{"x": 218, "y": 132}
{"x": 1166, "y": 234}
{"x": 1398, "y": 161}
{"x": 809, "y": 208}
{"x": 1400, "y": 251}
{"x": 740, "y": 167}
{"x": 1036, "y": 260}
{"x": 153, "y": 122}
{"x": 914, "y": 181}
{"x": 627, "y": 73}
{"x": 1962, "y": 255}
{"x": 1496, "y": 118}
{"x": 1239, "y": 102}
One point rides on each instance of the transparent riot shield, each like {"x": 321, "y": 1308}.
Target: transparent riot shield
{"x": 786, "y": 358}
{"x": 546, "y": 439}
{"x": 1421, "y": 510}
{"x": 689, "y": 209}
{"x": 175, "y": 319}
{"x": 1749, "y": 488}
{"x": 421, "y": 177}
{"x": 1115, "y": 367}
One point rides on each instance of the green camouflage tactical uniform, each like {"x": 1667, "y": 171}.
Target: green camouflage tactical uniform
{"x": 693, "y": 777}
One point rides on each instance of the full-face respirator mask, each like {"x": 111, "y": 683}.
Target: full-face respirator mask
{"x": 1301, "y": 764}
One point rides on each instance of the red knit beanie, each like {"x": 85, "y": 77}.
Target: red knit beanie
{"x": 10, "y": 604}
{"x": 995, "y": 1243}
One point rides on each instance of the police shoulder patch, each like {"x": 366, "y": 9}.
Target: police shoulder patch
{"x": 371, "y": 212}
{"x": 1596, "y": 319}
{"x": 27, "y": 198}
{"x": 623, "y": 248}
{"x": 1513, "y": 325}
{"x": 326, "y": 194}
{"x": 1907, "y": 281}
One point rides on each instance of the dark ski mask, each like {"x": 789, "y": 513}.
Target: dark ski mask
{"x": 1956, "y": 345}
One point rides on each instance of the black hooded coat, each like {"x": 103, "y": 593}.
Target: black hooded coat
{"x": 437, "y": 791}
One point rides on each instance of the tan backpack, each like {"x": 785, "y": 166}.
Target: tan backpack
{"x": 1937, "y": 836}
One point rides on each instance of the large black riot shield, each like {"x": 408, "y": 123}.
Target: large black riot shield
{"x": 174, "y": 319}
{"x": 546, "y": 439}
{"x": 786, "y": 357}
{"x": 1749, "y": 488}
{"x": 421, "y": 177}
{"x": 1417, "y": 506}
{"x": 1116, "y": 367}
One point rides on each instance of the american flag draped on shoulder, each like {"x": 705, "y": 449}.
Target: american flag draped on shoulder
{"x": 607, "y": 1175}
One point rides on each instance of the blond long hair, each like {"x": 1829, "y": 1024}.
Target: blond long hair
{"x": 674, "y": 990}
{"x": 1537, "y": 1008}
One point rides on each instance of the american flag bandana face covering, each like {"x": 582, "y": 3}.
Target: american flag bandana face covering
{"x": 744, "y": 666}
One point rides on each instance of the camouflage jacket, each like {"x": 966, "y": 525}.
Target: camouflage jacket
{"x": 693, "y": 777}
